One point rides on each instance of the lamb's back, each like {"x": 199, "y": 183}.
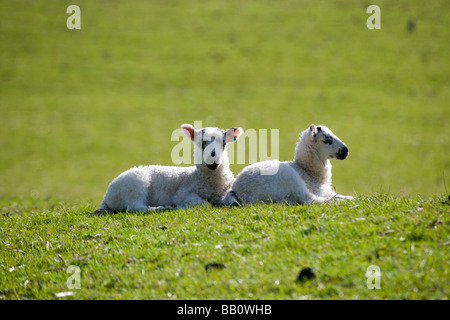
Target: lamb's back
{"x": 278, "y": 183}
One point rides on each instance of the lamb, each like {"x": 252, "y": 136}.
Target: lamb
{"x": 155, "y": 187}
{"x": 306, "y": 179}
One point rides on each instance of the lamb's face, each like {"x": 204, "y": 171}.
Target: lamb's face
{"x": 210, "y": 144}
{"x": 328, "y": 144}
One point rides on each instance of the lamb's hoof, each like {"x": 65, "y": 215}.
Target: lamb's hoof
{"x": 100, "y": 212}
{"x": 235, "y": 204}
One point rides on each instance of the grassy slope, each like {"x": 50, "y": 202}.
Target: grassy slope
{"x": 163, "y": 256}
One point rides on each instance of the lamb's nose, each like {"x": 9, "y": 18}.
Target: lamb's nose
{"x": 343, "y": 153}
{"x": 213, "y": 153}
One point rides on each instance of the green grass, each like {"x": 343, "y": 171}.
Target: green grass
{"x": 163, "y": 256}
{"x": 77, "y": 107}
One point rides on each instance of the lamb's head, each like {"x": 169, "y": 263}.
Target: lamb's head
{"x": 210, "y": 144}
{"x": 327, "y": 144}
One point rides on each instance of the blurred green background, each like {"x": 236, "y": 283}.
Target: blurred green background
{"x": 77, "y": 107}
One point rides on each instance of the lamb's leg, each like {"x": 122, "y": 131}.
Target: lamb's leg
{"x": 160, "y": 208}
{"x": 309, "y": 198}
{"x": 185, "y": 197}
{"x": 230, "y": 200}
{"x": 340, "y": 196}
{"x": 103, "y": 210}
{"x": 318, "y": 199}
{"x": 140, "y": 207}
{"x": 196, "y": 201}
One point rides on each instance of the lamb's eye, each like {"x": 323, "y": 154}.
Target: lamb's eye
{"x": 328, "y": 141}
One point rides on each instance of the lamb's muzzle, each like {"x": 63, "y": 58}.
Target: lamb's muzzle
{"x": 343, "y": 153}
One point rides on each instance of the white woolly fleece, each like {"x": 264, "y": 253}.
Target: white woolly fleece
{"x": 306, "y": 179}
{"x": 154, "y": 187}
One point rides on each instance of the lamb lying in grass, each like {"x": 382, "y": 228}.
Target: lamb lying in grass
{"x": 151, "y": 188}
{"x": 307, "y": 179}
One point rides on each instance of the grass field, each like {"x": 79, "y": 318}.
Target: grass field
{"x": 80, "y": 106}
{"x": 163, "y": 256}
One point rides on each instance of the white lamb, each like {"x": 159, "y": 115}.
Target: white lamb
{"x": 151, "y": 188}
{"x": 307, "y": 179}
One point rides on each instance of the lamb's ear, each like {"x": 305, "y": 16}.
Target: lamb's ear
{"x": 313, "y": 130}
{"x": 189, "y": 131}
{"x": 233, "y": 134}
